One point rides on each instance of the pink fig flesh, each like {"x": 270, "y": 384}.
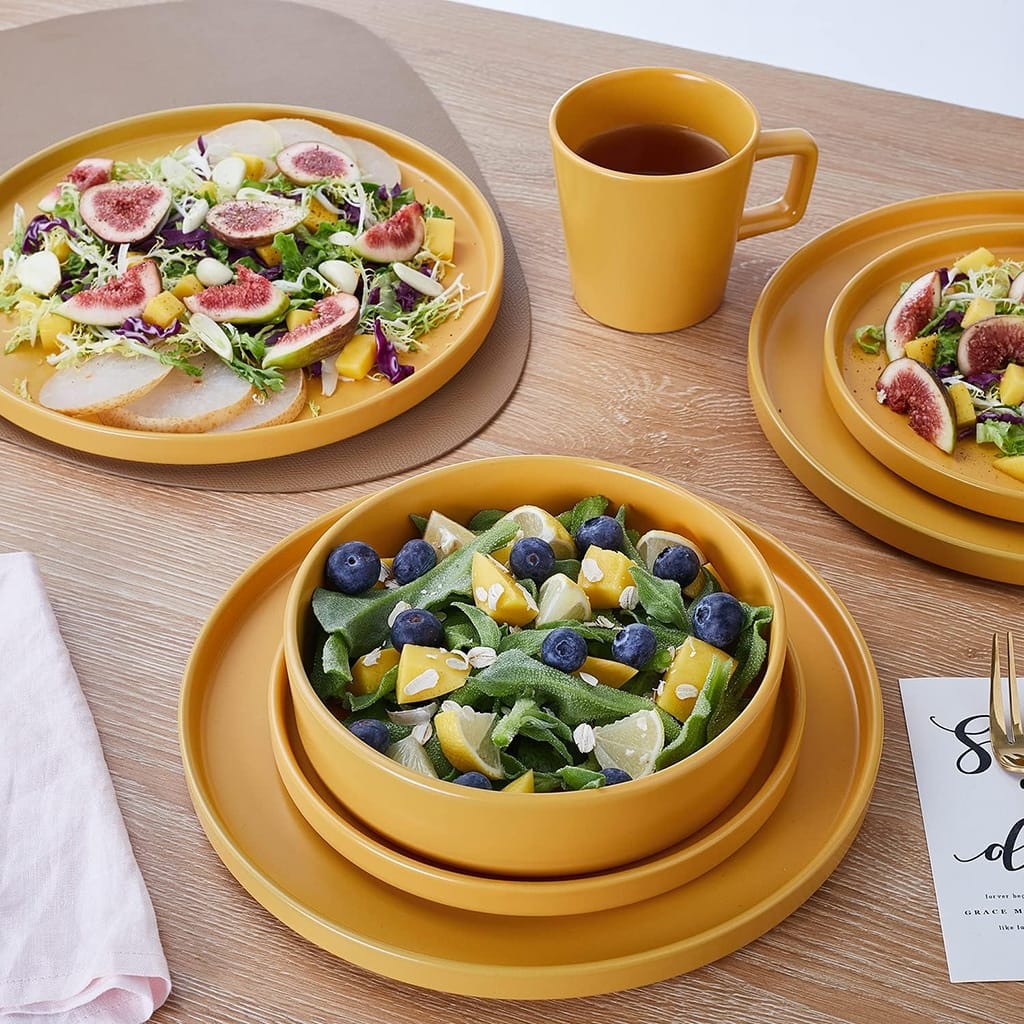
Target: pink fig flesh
{"x": 325, "y": 335}
{"x": 85, "y": 174}
{"x": 249, "y": 299}
{"x": 247, "y": 223}
{"x": 913, "y": 309}
{"x": 125, "y": 211}
{"x": 399, "y": 237}
{"x": 111, "y": 303}
{"x": 909, "y": 387}
{"x": 309, "y": 162}
{"x": 989, "y": 344}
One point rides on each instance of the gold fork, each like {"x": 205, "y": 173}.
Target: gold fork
{"x": 1007, "y": 744}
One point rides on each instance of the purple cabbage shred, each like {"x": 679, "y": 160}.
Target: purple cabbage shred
{"x": 38, "y": 226}
{"x": 350, "y": 212}
{"x": 387, "y": 357}
{"x": 943, "y": 277}
{"x": 274, "y": 338}
{"x": 406, "y": 296}
{"x": 374, "y": 297}
{"x": 951, "y": 320}
{"x": 201, "y": 145}
{"x": 983, "y": 380}
{"x": 946, "y": 370}
{"x": 1002, "y": 416}
{"x": 137, "y": 329}
{"x": 174, "y": 237}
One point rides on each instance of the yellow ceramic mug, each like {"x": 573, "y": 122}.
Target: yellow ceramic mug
{"x": 651, "y": 252}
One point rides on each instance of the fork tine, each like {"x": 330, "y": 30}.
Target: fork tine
{"x": 1018, "y": 731}
{"x": 996, "y": 711}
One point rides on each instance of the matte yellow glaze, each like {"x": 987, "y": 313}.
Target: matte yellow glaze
{"x": 355, "y": 406}
{"x": 785, "y": 369}
{"x": 681, "y": 229}
{"x": 280, "y": 860}
{"x": 968, "y": 477}
{"x": 534, "y": 835}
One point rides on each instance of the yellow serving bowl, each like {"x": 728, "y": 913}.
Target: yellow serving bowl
{"x": 526, "y": 834}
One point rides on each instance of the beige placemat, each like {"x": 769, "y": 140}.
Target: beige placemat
{"x": 229, "y": 52}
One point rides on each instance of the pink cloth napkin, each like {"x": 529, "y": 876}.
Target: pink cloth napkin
{"x": 78, "y": 937}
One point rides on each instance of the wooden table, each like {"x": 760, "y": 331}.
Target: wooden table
{"x": 131, "y": 598}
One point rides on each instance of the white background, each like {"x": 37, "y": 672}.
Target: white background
{"x": 960, "y": 51}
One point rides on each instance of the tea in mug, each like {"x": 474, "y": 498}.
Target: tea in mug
{"x": 653, "y": 149}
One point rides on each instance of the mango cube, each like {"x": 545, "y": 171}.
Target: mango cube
{"x": 977, "y": 260}
{"x": 368, "y": 670}
{"x": 706, "y": 570}
{"x": 57, "y": 243}
{"x": 428, "y": 672}
{"x": 439, "y": 237}
{"x": 269, "y": 255}
{"x": 49, "y": 327}
{"x": 163, "y": 309}
{"x": 687, "y": 675}
{"x": 254, "y": 166}
{"x": 604, "y": 575}
{"x": 358, "y": 357}
{"x": 922, "y": 349}
{"x": 208, "y": 191}
{"x": 498, "y": 594}
{"x": 962, "y": 404}
{"x": 186, "y": 286}
{"x": 978, "y": 309}
{"x": 1011, "y": 385}
{"x": 298, "y": 317}
{"x": 1012, "y": 465}
{"x": 605, "y": 672}
{"x": 318, "y": 214}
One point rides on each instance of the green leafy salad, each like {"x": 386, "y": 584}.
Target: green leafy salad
{"x": 534, "y": 652}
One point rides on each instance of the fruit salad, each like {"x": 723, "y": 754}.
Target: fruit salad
{"x": 955, "y": 346}
{"x": 262, "y": 257}
{"x": 532, "y": 652}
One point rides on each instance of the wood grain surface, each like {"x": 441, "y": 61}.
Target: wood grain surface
{"x": 133, "y": 569}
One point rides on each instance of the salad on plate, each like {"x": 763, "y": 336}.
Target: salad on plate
{"x": 533, "y": 652}
{"x": 216, "y": 286}
{"x": 954, "y": 342}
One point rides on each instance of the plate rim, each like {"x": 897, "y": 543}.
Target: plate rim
{"x": 161, "y": 448}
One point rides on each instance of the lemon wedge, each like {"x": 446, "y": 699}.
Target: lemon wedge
{"x": 535, "y": 522}
{"x": 561, "y": 598}
{"x": 465, "y": 738}
{"x": 653, "y": 542}
{"x": 524, "y": 784}
{"x": 410, "y": 754}
{"x": 631, "y": 743}
{"x": 445, "y": 535}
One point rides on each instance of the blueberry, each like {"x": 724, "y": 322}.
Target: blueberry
{"x": 475, "y": 780}
{"x": 602, "y": 532}
{"x": 634, "y": 645}
{"x": 414, "y": 558}
{"x": 532, "y": 559}
{"x": 679, "y": 563}
{"x": 418, "y": 627}
{"x": 718, "y": 619}
{"x": 352, "y": 567}
{"x": 613, "y": 776}
{"x": 371, "y": 732}
{"x": 563, "y": 649}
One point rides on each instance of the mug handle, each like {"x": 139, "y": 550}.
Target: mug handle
{"x": 788, "y": 209}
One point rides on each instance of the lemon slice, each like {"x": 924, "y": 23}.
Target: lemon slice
{"x": 213, "y": 336}
{"x": 535, "y": 522}
{"x": 653, "y": 542}
{"x": 445, "y": 535}
{"x": 561, "y": 598}
{"x": 465, "y": 738}
{"x": 410, "y": 754}
{"x": 524, "y": 784}
{"x": 631, "y": 743}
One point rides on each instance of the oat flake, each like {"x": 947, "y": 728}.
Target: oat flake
{"x": 426, "y": 680}
{"x": 686, "y": 690}
{"x": 402, "y": 606}
{"x": 588, "y": 678}
{"x": 591, "y": 570}
{"x": 583, "y": 737}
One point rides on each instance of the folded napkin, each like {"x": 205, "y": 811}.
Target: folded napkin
{"x": 78, "y": 937}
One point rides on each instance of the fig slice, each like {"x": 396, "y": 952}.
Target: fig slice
{"x": 399, "y": 237}
{"x": 112, "y": 302}
{"x": 913, "y": 309}
{"x": 248, "y": 223}
{"x": 249, "y": 299}
{"x": 308, "y": 162}
{"x": 125, "y": 211}
{"x": 279, "y": 407}
{"x": 85, "y": 174}
{"x": 990, "y": 343}
{"x": 99, "y": 383}
{"x": 907, "y": 386}
{"x": 325, "y": 335}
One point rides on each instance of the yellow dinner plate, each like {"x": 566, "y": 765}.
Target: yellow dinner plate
{"x": 785, "y": 373}
{"x": 355, "y": 406}
{"x": 542, "y": 897}
{"x": 274, "y": 853}
{"x": 968, "y": 477}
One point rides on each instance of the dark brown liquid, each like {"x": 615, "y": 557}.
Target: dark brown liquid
{"x": 653, "y": 149}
